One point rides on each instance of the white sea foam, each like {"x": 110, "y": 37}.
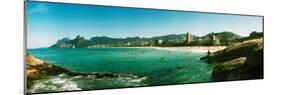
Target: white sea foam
{"x": 58, "y": 83}
{"x": 77, "y": 77}
{"x": 138, "y": 80}
{"x": 128, "y": 81}
{"x": 70, "y": 85}
{"x": 58, "y": 80}
{"x": 64, "y": 82}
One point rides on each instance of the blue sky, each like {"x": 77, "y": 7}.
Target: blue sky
{"x": 48, "y": 22}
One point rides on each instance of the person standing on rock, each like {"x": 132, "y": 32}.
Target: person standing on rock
{"x": 209, "y": 52}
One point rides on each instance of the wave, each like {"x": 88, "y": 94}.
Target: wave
{"x": 57, "y": 83}
{"x": 64, "y": 82}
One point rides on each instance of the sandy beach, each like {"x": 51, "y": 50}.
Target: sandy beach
{"x": 195, "y": 48}
{"x": 185, "y": 48}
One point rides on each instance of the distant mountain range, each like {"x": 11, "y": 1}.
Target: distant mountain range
{"x": 165, "y": 40}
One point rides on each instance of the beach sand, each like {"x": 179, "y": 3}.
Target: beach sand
{"x": 185, "y": 48}
{"x": 195, "y": 48}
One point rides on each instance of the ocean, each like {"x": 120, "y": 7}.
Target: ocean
{"x": 136, "y": 67}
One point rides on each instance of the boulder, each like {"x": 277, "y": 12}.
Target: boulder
{"x": 240, "y": 61}
{"x": 232, "y": 52}
{"x": 37, "y": 69}
{"x": 229, "y": 70}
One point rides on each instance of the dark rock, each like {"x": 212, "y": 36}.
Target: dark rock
{"x": 254, "y": 65}
{"x": 240, "y": 61}
{"x": 37, "y": 69}
{"x": 235, "y": 51}
{"x": 229, "y": 70}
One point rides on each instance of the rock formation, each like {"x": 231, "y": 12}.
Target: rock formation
{"x": 240, "y": 61}
{"x": 37, "y": 69}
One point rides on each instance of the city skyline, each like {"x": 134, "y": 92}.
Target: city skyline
{"x": 49, "y": 22}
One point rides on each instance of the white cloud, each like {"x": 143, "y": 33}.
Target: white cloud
{"x": 41, "y": 8}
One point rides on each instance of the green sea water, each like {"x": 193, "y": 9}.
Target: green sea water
{"x": 136, "y": 66}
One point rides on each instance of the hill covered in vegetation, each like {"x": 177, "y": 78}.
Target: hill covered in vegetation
{"x": 225, "y": 38}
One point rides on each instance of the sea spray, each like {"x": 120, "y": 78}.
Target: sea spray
{"x": 57, "y": 83}
{"x": 63, "y": 82}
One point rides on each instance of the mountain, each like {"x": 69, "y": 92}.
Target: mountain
{"x": 253, "y": 35}
{"x": 165, "y": 40}
{"x": 224, "y": 37}
{"x": 169, "y": 37}
{"x": 78, "y": 42}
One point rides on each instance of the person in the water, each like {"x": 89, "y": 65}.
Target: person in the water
{"x": 163, "y": 59}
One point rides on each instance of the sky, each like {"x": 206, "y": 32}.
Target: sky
{"x": 49, "y": 22}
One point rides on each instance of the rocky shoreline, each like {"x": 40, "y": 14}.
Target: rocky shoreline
{"x": 37, "y": 69}
{"x": 238, "y": 62}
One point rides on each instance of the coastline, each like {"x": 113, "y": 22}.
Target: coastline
{"x": 195, "y": 48}
{"x": 212, "y": 49}
{"x": 184, "y": 48}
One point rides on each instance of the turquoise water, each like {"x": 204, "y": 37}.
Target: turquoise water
{"x": 136, "y": 66}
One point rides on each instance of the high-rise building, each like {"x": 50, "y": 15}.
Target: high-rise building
{"x": 188, "y": 37}
{"x": 158, "y": 42}
{"x": 214, "y": 40}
